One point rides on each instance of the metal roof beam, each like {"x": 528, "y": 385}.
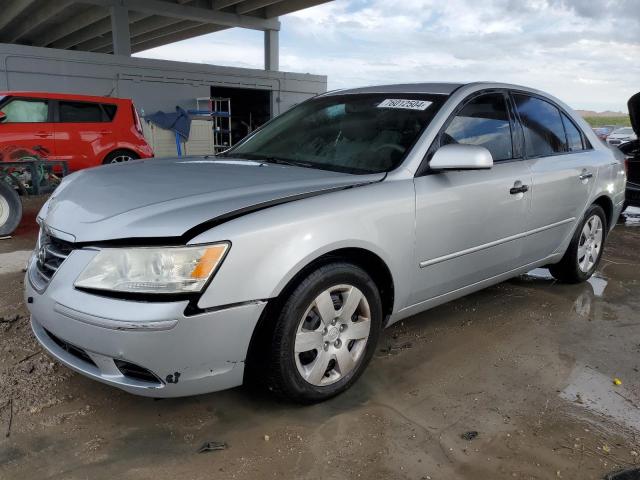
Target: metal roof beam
{"x": 175, "y": 37}
{"x": 146, "y": 25}
{"x": 283, "y": 8}
{"x": 82, "y": 20}
{"x": 17, "y": 30}
{"x": 98, "y": 29}
{"x": 12, "y": 9}
{"x": 195, "y": 14}
{"x": 252, "y": 5}
{"x": 220, "y": 4}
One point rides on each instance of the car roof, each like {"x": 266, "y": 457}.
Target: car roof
{"x": 432, "y": 88}
{"x": 427, "y": 88}
{"x": 62, "y": 96}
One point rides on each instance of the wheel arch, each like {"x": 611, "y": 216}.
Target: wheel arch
{"x": 369, "y": 261}
{"x": 607, "y": 205}
{"x": 119, "y": 150}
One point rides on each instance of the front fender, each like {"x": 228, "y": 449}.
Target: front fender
{"x": 271, "y": 246}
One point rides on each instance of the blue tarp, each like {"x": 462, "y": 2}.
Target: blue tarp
{"x": 179, "y": 122}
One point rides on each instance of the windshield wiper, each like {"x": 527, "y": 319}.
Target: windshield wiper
{"x": 284, "y": 161}
{"x": 267, "y": 159}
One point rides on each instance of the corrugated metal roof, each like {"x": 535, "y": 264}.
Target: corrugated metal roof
{"x": 86, "y": 25}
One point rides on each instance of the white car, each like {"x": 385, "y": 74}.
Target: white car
{"x": 621, "y": 135}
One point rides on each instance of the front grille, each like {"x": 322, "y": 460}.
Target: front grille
{"x": 50, "y": 253}
{"x": 72, "y": 349}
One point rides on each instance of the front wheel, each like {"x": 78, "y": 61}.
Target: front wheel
{"x": 325, "y": 334}
{"x": 585, "y": 250}
{"x": 10, "y": 209}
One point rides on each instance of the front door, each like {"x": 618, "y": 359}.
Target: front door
{"x": 27, "y": 130}
{"x": 469, "y": 224}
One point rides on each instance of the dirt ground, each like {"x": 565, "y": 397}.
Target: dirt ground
{"x": 529, "y": 365}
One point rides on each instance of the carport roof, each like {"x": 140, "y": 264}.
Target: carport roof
{"x": 88, "y": 24}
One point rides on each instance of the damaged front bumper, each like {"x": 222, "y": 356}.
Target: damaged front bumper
{"x": 145, "y": 348}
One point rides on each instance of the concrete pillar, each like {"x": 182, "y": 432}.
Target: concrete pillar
{"x": 120, "y": 30}
{"x": 271, "y": 50}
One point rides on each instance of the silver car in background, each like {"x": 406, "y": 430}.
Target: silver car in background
{"x": 621, "y": 135}
{"x": 283, "y": 258}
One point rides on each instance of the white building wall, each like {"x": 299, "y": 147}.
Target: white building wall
{"x": 152, "y": 84}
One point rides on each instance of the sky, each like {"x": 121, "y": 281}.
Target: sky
{"x": 585, "y": 52}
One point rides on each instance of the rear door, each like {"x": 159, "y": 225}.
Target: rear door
{"x": 27, "y": 130}
{"x": 469, "y": 223}
{"x": 83, "y": 132}
{"x": 564, "y": 172}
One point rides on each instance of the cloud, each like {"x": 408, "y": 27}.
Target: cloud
{"x": 583, "y": 52}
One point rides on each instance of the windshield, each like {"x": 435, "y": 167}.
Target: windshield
{"x": 625, "y": 130}
{"x": 353, "y": 133}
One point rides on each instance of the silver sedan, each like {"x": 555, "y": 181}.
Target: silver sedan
{"x": 282, "y": 259}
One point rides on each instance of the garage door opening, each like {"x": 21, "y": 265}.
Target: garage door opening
{"x": 249, "y": 109}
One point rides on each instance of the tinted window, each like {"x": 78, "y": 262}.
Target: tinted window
{"x": 543, "y": 129}
{"x": 109, "y": 110}
{"x": 80, "y": 112}
{"x": 354, "y": 133}
{"x": 574, "y": 137}
{"x": 26, "y": 111}
{"x": 483, "y": 121}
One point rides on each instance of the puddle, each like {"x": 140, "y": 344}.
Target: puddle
{"x": 540, "y": 273}
{"x": 13, "y": 262}
{"x": 598, "y": 283}
{"x": 596, "y": 393}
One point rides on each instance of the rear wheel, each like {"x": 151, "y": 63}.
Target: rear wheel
{"x": 585, "y": 250}
{"x": 120, "y": 156}
{"x": 325, "y": 334}
{"x": 10, "y": 209}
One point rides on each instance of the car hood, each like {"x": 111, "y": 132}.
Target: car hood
{"x": 159, "y": 198}
{"x": 634, "y": 112}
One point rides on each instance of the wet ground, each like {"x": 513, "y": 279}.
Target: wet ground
{"x": 529, "y": 365}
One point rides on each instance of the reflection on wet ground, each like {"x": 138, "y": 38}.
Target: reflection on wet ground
{"x": 598, "y": 393}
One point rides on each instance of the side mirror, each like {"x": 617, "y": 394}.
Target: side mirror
{"x": 3, "y": 117}
{"x": 461, "y": 157}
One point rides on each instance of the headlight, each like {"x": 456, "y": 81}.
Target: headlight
{"x": 152, "y": 269}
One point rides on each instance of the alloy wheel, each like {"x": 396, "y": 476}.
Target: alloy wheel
{"x": 121, "y": 158}
{"x": 590, "y": 243}
{"x": 332, "y": 335}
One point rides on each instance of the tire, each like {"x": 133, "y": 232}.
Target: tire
{"x": 312, "y": 359}
{"x": 584, "y": 252}
{"x": 120, "y": 156}
{"x": 10, "y": 209}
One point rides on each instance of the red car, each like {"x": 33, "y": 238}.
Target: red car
{"x": 83, "y": 130}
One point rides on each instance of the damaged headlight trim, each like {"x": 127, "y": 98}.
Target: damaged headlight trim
{"x": 153, "y": 270}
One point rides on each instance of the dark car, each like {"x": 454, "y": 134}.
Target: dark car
{"x": 631, "y": 152}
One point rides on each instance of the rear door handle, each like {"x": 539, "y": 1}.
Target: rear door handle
{"x": 585, "y": 175}
{"x": 520, "y": 189}
{"x": 43, "y": 134}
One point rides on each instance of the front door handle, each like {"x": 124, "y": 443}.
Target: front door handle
{"x": 42, "y": 134}
{"x": 520, "y": 189}
{"x": 585, "y": 175}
